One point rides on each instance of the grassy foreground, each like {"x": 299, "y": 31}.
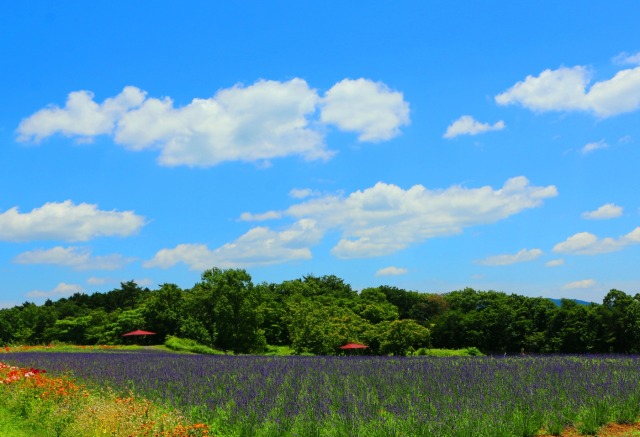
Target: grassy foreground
{"x": 34, "y": 403}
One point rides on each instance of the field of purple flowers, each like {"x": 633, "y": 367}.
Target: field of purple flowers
{"x": 370, "y": 396}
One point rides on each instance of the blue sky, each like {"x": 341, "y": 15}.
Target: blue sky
{"x": 426, "y": 145}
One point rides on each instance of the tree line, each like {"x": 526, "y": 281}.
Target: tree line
{"x": 317, "y": 314}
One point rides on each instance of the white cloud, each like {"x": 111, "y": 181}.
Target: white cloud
{"x": 376, "y": 221}
{"x": 144, "y": 282}
{"x": 368, "y": 108}
{"x": 523, "y": 255}
{"x": 585, "y": 243}
{"x": 555, "y": 262}
{"x": 78, "y": 258}
{"x": 467, "y": 125}
{"x": 301, "y": 193}
{"x": 565, "y": 89}
{"x": 626, "y": 58}
{"x": 259, "y": 246}
{"x": 263, "y": 121}
{"x": 81, "y": 116}
{"x": 590, "y": 147}
{"x": 269, "y": 215}
{"x": 93, "y": 280}
{"x": 67, "y": 221}
{"x": 266, "y": 120}
{"x": 61, "y": 290}
{"x": 585, "y": 283}
{"x": 391, "y": 271}
{"x": 386, "y": 218}
{"x": 607, "y": 211}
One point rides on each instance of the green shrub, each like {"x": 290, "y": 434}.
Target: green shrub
{"x": 187, "y": 345}
{"x": 468, "y": 352}
{"x": 281, "y": 351}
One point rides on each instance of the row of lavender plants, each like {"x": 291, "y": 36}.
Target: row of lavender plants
{"x": 370, "y": 396}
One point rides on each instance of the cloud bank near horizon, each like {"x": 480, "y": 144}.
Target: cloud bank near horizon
{"x": 374, "y": 222}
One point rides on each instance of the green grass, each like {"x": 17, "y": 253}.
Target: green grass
{"x": 186, "y": 345}
{"x": 282, "y": 351}
{"x": 13, "y": 426}
{"x": 62, "y": 347}
{"x": 467, "y": 352}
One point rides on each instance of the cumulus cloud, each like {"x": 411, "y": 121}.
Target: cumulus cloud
{"x": 608, "y": 211}
{"x": 626, "y": 58}
{"x": 565, "y": 89}
{"x": 61, "y": 290}
{"x": 93, "y": 280}
{"x": 373, "y": 222}
{"x": 269, "y": 215}
{"x": 301, "y": 193}
{"x": 81, "y": 116}
{"x": 467, "y": 125}
{"x": 585, "y": 243}
{"x": 585, "y": 283}
{"x": 266, "y": 120}
{"x": 368, "y": 108}
{"x": 555, "y": 262}
{"x": 78, "y": 258}
{"x": 67, "y": 221}
{"x": 590, "y": 147}
{"x": 386, "y": 218}
{"x": 259, "y": 246}
{"x": 391, "y": 271}
{"x": 523, "y": 255}
{"x": 144, "y": 282}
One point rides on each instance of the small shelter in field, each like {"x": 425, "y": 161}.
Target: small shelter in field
{"x": 138, "y": 333}
{"x": 353, "y": 347}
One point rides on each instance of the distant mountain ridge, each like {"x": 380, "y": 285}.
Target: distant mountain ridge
{"x": 578, "y": 301}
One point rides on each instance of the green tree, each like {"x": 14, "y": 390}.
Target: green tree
{"x": 402, "y": 336}
{"x": 236, "y": 319}
{"x": 428, "y": 307}
{"x": 404, "y": 300}
{"x": 321, "y": 329}
{"x": 373, "y": 306}
{"x": 273, "y": 312}
{"x": 572, "y": 328}
{"x": 164, "y": 311}
{"x": 70, "y": 330}
{"x": 620, "y": 319}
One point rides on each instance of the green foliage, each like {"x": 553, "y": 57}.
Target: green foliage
{"x": 70, "y": 330}
{"x": 473, "y": 352}
{"x": 164, "y": 311}
{"x": 321, "y": 330}
{"x": 280, "y": 351}
{"x": 317, "y": 314}
{"x": 467, "y": 352}
{"x": 187, "y": 345}
{"x": 402, "y": 336}
{"x": 593, "y": 418}
{"x": 232, "y": 306}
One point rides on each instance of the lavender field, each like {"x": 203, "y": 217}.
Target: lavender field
{"x": 369, "y": 396}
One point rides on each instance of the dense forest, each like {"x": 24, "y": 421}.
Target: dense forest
{"x": 226, "y": 311}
